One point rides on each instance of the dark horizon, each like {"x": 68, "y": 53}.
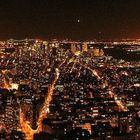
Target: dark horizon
{"x": 76, "y": 20}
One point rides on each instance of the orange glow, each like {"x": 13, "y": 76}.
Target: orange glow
{"x": 26, "y": 128}
{"x": 48, "y": 99}
{"x": 87, "y": 126}
{"x": 6, "y": 83}
{"x": 29, "y": 132}
{"x": 121, "y": 106}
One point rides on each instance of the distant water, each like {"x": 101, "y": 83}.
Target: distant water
{"x": 122, "y": 54}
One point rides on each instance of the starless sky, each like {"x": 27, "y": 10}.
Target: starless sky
{"x": 73, "y": 19}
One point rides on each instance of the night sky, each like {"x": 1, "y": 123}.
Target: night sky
{"x": 72, "y": 19}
